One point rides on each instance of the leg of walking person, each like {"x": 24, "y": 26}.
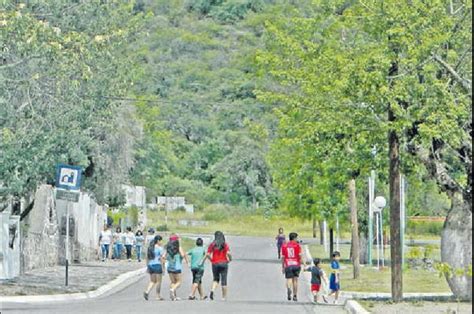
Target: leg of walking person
{"x": 223, "y": 273}
{"x": 177, "y": 284}
{"x": 153, "y": 280}
{"x": 159, "y": 279}
{"x": 107, "y": 251}
{"x": 295, "y": 289}
{"x": 138, "y": 249}
{"x": 195, "y": 285}
{"x": 215, "y": 282}
{"x": 128, "y": 249}
{"x": 102, "y": 247}
{"x": 173, "y": 281}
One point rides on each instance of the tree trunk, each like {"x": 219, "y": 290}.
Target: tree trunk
{"x": 456, "y": 247}
{"x": 394, "y": 177}
{"x": 355, "y": 229}
{"x": 314, "y": 227}
{"x": 321, "y": 232}
{"x": 331, "y": 242}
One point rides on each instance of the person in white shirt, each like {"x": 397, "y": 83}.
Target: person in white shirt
{"x": 118, "y": 243}
{"x": 129, "y": 241}
{"x": 105, "y": 239}
{"x": 150, "y": 236}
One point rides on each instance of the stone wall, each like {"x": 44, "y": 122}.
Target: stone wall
{"x": 40, "y": 232}
{"x": 44, "y": 230}
{"x": 86, "y": 221}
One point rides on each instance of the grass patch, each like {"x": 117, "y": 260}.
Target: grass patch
{"x": 238, "y": 221}
{"x": 235, "y": 224}
{"x": 372, "y": 280}
{"x": 423, "y": 307}
{"x": 430, "y": 251}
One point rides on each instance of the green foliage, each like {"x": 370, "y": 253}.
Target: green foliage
{"x": 204, "y": 131}
{"x": 444, "y": 269}
{"x": 425, "y": 227}
{"x": 133, "y": 215}
{"x": 116, "y": 216}
{"x": 59, "y": 64}
{"x": 416, "y": 253}
{"x": 335, "y": 71}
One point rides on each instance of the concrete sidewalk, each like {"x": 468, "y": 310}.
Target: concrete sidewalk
{"x": 83, "y": 277}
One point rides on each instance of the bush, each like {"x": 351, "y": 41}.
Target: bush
{"x": 415, "y": 253}
{"x": 425, "y": 227}
{"x": 162, "y": 228}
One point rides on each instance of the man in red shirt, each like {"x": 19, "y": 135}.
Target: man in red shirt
{"x": 291, "y": 264}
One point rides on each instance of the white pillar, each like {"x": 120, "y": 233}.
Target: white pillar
{"x": 377, "y": 239}
{"x": 382, "y": 247}
{"x": 325, "y": 240}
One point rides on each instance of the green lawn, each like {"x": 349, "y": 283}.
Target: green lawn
{"x": 250, "y": 225}
{"x": 373, "y": 280}
{"x": 434, "y": 252}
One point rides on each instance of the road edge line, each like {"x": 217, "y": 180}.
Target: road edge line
{"x": 113, "y": 284}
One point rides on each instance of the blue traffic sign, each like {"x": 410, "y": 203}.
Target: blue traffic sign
{"x": 68, "y": 177}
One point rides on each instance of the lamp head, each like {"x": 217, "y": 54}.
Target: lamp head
{"x": 380, "y": 202}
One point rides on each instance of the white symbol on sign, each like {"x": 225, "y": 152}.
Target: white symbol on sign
{"x": 68, "y": 177}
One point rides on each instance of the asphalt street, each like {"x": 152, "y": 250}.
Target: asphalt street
{"x": 256, "y": 285}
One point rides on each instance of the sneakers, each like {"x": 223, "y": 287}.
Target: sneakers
{"x": 145, "y": 296}
{"x": 289, "y": 294}
{"x": 295, "y": 298}
{"x": 191, "y": 298}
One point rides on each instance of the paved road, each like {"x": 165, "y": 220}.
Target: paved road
{"x": 255, "y": 286}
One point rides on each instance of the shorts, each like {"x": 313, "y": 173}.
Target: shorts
{"x": 315, "y": 287}
{"x": 292, "y": 272}
{"x": 198, "y": 273}
{"x": 174, "y": 271}
{"x": 155, "y": 269}
{"x": 219, "y": 272}
{"x": 333, "y": 285}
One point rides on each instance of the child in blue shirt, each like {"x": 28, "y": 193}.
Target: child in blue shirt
{"x": 334, "y": 280}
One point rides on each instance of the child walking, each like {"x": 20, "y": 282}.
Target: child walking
{"x": 335, "y": 279}
{"x": 280, "y": 238}
{"x": 317, "y": 276}
{"x": 197, "y": 255}
{"x": 155, "y": 260}
{"x": 174, "y": 256}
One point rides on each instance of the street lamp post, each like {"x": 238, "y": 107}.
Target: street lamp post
{"x": 379, "y": 203}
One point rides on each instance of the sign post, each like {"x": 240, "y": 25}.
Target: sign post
{"x": 68, "y": 184}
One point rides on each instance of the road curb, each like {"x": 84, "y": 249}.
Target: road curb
{"x": 353, "y": 307}
{"x": 388, "y": 296}
{"x": 122, "y": 280}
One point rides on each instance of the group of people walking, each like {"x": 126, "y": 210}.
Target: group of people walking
{"x": 293, "y": 262}
{"x": 118, "y": 241}
{"x": 170, "y": 257}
